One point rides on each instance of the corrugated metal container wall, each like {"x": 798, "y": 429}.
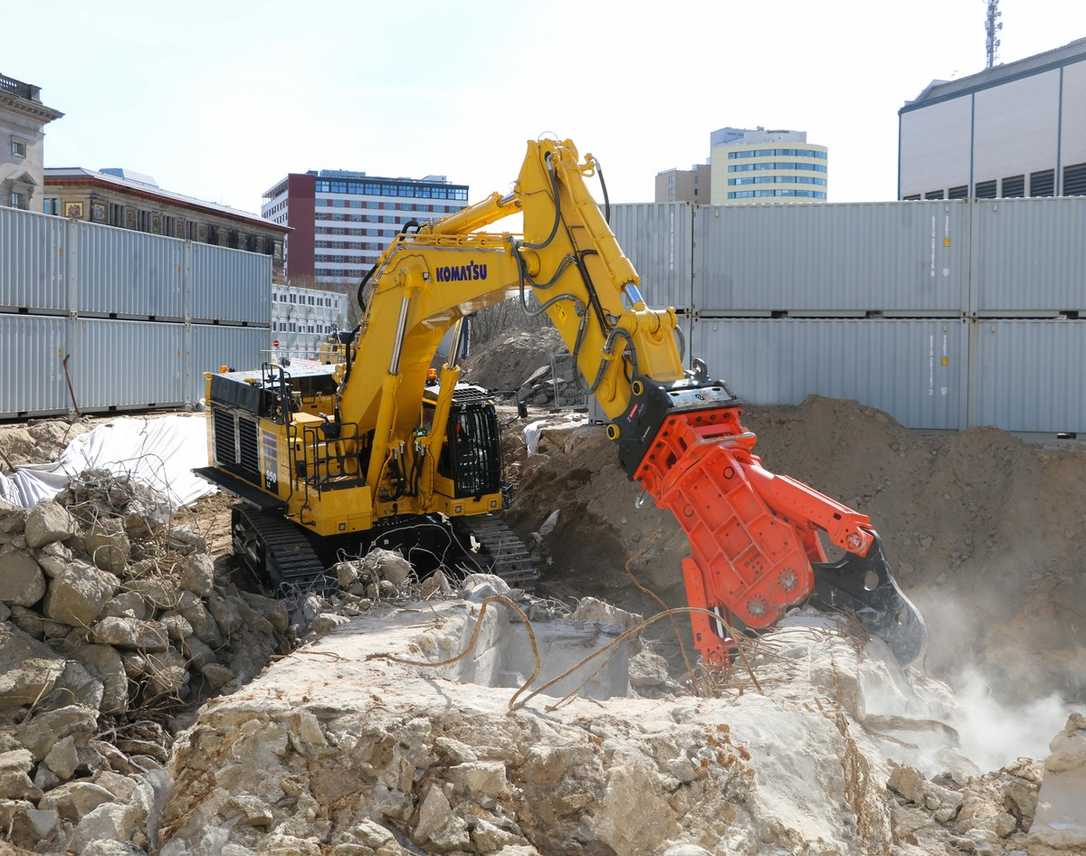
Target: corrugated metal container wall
{"x": 1028, "y": 375}
{"x": 1030, "y": 254}
{"x": 230, "y": 285}
{"x": 882, "y": 256}
{"x": 658, "y": 239}
{"x": 914, "y": 369}
{"x": 240, "y": 348}
{"x": 32, "y": 263}
{"x": 128, "y": 364}
{"x": 122, "y": 272}
{"x": 31, "y": 356}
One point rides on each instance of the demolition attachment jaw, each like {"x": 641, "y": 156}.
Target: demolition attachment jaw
{"x": 754, "y": 536}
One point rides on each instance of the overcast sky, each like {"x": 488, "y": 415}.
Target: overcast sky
{"x": 220, "y": 99}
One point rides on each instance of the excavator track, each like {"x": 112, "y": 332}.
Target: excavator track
{"x": 275, "y": 550}
{"x": 507, "y": 555}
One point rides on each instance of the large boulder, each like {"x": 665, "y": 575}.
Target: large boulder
{"x": 78, "y": 595}
{"x": 40, "y": 733}
{"x": 28, "y": 668}
{"x": 109, "y": 821}
{"x": 47, "y": 522}
{"x": 108, "y": 546}
{"x": 21, "y": 579}
{"x": 198, "y": 574}
{"x": 106, "y": 665}
{"x": 131, "y": 633}
{"x": 12, "y": 518}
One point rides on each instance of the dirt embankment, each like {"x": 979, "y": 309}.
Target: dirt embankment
{"x": 502, "y": 364}
{"x": 984, "y": 530}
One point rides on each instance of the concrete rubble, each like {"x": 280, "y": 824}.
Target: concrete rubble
{"x": 100, "y": 664}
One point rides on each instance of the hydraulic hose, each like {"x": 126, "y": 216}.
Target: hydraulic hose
{"x": 603, "y": 186}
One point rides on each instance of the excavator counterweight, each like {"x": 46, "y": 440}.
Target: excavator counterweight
{"x": 370, "y": 451}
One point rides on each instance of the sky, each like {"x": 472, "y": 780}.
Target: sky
{"x": 220, "y": 100}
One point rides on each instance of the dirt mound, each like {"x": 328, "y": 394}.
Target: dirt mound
{"x": 984, "y": 530}
{"x": 502, "y": 364}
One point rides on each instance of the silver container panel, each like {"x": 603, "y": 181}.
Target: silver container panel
{"x": 658, "y": 239}
{"x": 914, "y": 369}
{"x": 1029, "y": 254}
{"x": 1027, "y": 375}
{"x": 231, "y": 286}
{"x": 128, "y": 365}
{"x": 32, "y": 261}
{"x": 128, "y": 273}
{"x": 857, "y": 257}
{"x": 32, "y": 352}
{"x": 240, "y": 348}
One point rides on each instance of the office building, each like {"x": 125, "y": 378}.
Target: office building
{"x": 301, "y": 317}
{"x": 685, "y": 185}
{"x": 341, "y": 221}
{"x": 759, "y": 165}
{"x": 130, "y": 200}
{"x": 1017, "y": 129}
{"x": 22, "y": 140}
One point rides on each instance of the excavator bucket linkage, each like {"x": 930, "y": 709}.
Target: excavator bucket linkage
{"x": 754, "y": 537}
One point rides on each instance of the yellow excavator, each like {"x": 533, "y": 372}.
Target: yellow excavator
{"x": 332, "y": 459}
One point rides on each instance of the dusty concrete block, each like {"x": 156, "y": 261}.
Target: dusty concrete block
{"x": 21, "y": 579}
{"x": 48, "y": 521}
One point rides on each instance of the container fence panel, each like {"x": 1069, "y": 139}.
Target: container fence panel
{"x": 32, "y": 261}
{"x": 32, "y": 352}
{"x": 122, "y": 272}
{"x": 128, "y": 364}
{"x": 1027, "y": 375}
{"x": 239, "y": 348}
{"x": 902, "y": 257}
{"x": 230, "y": 285}
{"x": 914, "y": 369}
{"x": 658, "y": 239}
{"x": 1029, "y": 255}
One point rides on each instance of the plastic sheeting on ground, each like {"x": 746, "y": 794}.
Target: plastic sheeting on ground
{"x": 158, "y": 451}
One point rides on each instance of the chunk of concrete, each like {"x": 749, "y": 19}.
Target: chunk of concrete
{"x": 47, "y": 522}
{"x": 21, "y": 579}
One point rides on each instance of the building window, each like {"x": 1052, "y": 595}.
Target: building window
{"x": 959, "y": 192}
{"x": 17, "y": 200}
{"x": 167, "y": 225}
{"x": 190, "y": 230}
{"x": 143, "y": 221}
{"x": 18, "y": 148}
{"x": 116, "y": 214}
{"x": 985, "y": 189}
{"x": 912, "y": 197}
{"x": 1074, "y": 180}
{"x": 50, "y": 205}
{"x": 1042, "y": 183}
{"x": 1014, "y": 187}
{"x": 934, "y": 194}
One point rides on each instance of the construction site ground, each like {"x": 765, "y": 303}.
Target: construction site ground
{"x": 314, "y": 730}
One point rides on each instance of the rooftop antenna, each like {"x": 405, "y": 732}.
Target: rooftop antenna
{"x": 992, "y": 27}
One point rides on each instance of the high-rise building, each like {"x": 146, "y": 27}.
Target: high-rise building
{"x": 759, "y": 165}
{"x": 684, "y": 185}
{"x": 1017, "y": 129}
{"x": 341, "y": 221}
{"x": 22, "y": 117}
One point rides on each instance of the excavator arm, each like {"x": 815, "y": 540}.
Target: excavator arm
{"x": 755, "y": 537}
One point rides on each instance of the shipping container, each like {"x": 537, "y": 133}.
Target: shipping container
{"x": 239, "y": 348}
{"x": 658, "y": 239}
{"x": 128, "y": 365}
{"x": 32, "y": 261}
{"x": 230, "y": 285}
{"x": 914, "y": 369}
{"x": 122, "y": 273}
{"x": 898, "y": 257}
{"x": 32, "y": 349}
{"x": 1029, "y": 256}
{"x": 1027, "y": 375}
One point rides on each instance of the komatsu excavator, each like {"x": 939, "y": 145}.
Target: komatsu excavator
{"x": 368, "y": 452}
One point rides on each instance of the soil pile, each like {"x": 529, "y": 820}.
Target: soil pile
{"x": 37, "y": 442}
{"x": 982, "y": 529}
{"x": 505, "y": 362}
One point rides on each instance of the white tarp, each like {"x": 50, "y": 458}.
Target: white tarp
{"x": 159, "y": 451}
